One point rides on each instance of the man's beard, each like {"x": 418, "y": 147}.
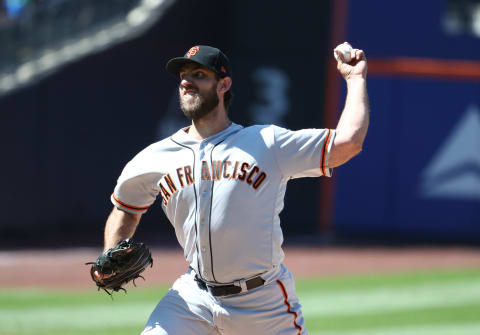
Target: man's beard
{"x": 202, "y": 104}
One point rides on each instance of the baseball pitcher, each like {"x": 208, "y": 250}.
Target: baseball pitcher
{"x": 222, "y": 187}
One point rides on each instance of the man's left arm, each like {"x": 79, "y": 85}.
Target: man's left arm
{"x": 352, "y": 127}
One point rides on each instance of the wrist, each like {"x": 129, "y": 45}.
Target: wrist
{"x": 356, "y": 80}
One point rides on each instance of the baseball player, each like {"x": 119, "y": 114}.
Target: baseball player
{"x": 222, "y": 187}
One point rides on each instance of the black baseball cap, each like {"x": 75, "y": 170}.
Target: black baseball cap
{"x": 210, "y": 57}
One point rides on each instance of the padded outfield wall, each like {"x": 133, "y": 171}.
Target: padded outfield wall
{"x": 419, "y": 175}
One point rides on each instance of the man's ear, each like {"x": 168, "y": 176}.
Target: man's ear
{"x": 225, "y": 84}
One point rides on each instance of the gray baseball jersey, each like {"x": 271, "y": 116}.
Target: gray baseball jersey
{"x": 223, "y": 194}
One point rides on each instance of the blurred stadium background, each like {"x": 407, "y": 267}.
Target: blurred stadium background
{"x": 83, "y": 89}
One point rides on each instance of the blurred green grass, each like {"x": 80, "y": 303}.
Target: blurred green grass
{"x": 416, "y": 303}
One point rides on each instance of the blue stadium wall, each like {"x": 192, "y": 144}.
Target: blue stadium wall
{"x": 418, "y": 178}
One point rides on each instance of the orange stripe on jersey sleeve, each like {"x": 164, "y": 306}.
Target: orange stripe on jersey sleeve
{"x": 289, "y": 307}
{"x": 135, "y": 208}
{"x": 324, "y": 152}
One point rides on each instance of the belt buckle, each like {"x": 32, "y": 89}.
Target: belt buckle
{"x": 242, "y": 284}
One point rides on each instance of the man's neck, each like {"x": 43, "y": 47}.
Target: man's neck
{"x": 209, "y": 125}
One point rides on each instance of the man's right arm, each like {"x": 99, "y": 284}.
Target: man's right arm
{"x": 353, "y": 125}
{"x": 120, "y": 226}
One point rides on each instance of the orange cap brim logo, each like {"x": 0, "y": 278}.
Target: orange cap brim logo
{"x": 192, "y": 52}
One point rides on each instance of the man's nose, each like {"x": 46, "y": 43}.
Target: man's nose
{"x": 186, "y": 81}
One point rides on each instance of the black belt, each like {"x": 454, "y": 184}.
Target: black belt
{"x": 238, "y": 287}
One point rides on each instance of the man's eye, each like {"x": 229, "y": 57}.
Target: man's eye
{"x": 199, "y": 75}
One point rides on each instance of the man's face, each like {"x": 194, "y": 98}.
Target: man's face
{"x": 197, "y": 91}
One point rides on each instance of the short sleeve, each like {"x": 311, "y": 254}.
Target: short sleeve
{"x": 303, "y": 153}
{"x": 137, "y": 186}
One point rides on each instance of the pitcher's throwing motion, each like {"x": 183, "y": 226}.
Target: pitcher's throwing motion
{"x": 222, "y": 187}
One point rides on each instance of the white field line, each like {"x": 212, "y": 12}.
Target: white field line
{"x": 449, "y": 329}
{"x": 351, "y": 302}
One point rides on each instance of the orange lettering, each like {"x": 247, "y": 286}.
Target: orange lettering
{"x": 255, "y": 169}
{"x": 188, "y": 174}
{"x": 244, "y": 168}
{"x": 171, "y": 185}
{"x": 235, "y": 169}
{"x": 225, "y": 165}
{"x": 259, "y": 181}
{"x": 216, "y": 170}
{"x": 192, "y": 52}
{"x": 180, "y": 176}
{"x": 166, "y": 196}
{"x": 205, "y": 172}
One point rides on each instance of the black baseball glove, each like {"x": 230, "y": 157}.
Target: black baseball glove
{"x": 120, "y": 264}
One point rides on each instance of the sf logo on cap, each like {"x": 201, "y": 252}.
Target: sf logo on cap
{"x": 192, "y": 52}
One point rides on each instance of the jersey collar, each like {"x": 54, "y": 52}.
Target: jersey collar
{"x": 183, "y": 138}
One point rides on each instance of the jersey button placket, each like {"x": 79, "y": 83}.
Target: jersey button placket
{"x": 203, "y": 215}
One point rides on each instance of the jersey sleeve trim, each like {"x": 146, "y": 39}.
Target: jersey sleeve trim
{"x": 130, "y": 208}
{"x": 325, "y": 150}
